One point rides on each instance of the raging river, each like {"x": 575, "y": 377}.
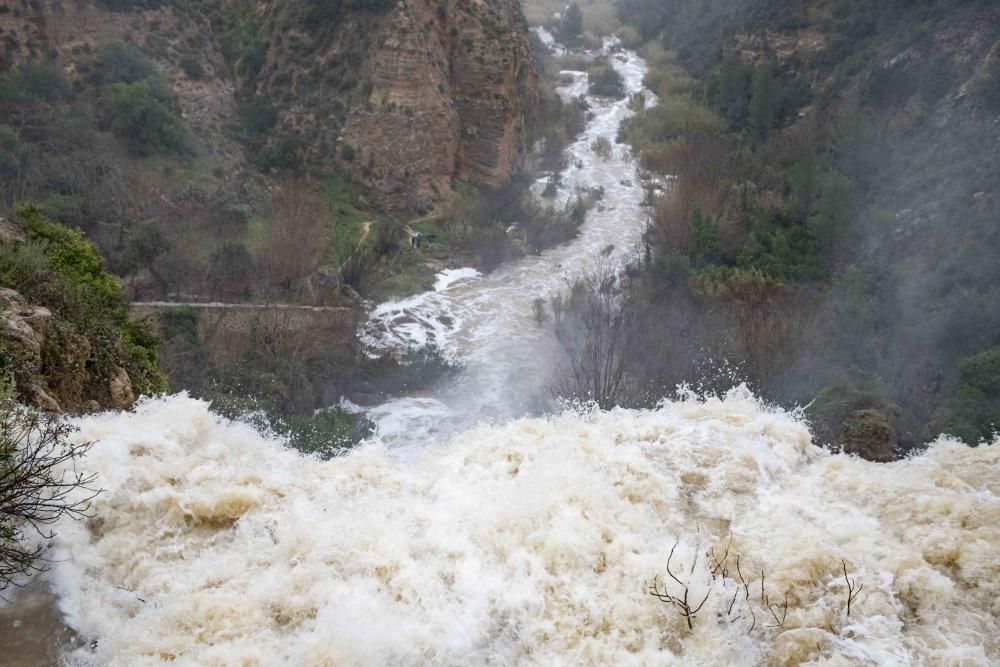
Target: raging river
{"x": 464, "y": 533}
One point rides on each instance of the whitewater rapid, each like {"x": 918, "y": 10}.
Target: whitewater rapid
{"x": 486, "y": 322}
{"x": 526, "y": 542}
{"x": 531, "y": 543}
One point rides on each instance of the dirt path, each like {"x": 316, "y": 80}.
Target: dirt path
{"x": 218, "y": 305}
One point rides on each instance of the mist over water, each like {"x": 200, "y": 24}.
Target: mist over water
{"x": 486, "y": 322}
{"x": 528, "y": 542}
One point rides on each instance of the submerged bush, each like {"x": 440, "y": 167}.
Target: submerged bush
{"x": 605, "y": 81}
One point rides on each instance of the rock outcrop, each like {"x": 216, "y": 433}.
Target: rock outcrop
{"x": 408, "y": 99}
{"x": 403, "y": 96}
{"x": 24, "y": 336}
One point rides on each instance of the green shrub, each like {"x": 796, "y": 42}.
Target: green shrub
{"x": 192, "y": 67}
{"x": 974, "y": 412}
{"x": 8, "y": 138}
{"x": 278, "y": 155}
{"x": 57, "y": 268}
{"x": 35, "y": 81}
{"x": 601, "y": 147}
{"x": 257, "y": 117}
{"x": 605, "y": 81}
{"x": 571, "y": 27}
{"x": 780, "y": 249}
{"x": 125, "y": 63}
{"x": 144, "y": 121}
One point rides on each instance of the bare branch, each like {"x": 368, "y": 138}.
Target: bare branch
{"x": 852, "y": 592}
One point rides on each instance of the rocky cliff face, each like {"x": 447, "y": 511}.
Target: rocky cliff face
{"x": 405, "y": 98}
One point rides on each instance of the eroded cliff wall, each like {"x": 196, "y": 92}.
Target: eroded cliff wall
{"x": 405, "y": 97}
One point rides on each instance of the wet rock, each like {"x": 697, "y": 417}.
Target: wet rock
{"x": 10, "y": 231}
{"x": 869, "y": 434}
{"x": 120, "y": 388}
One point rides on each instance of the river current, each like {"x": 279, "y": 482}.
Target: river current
{"x": 467, "y": 534}
{"x": 486, "y": 323}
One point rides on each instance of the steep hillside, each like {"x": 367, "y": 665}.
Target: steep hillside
{"x": 402, "y": 97}
{"x": 833, "y": 227}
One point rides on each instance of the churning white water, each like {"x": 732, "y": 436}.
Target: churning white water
{"x": 486, "y": 322}
{"x": 531, "y": 543}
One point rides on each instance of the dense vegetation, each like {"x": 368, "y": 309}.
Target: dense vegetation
{"x": 90, "y": 338}
{"x": 831, "y": 227}
{"x": 114, "y": 138}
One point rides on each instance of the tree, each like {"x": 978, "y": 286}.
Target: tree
{"x": 597, "y": 333}
{"x": 572, "y": 26}
{"x": 146, "y": 244}
{"x": 231, "y": 271}
{"x": 605, "y": 81}
{"x": 144, "y": 121}
{"x": 763, "y": 101}
{"x": 298, "y": 232}
{"x": 39, "y": 484}
{"x": 125, "y": 63}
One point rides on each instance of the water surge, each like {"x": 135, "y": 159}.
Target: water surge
{"x": 531, "y": 543}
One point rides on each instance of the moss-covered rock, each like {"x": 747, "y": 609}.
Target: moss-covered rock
{"x": 869, "y": 434}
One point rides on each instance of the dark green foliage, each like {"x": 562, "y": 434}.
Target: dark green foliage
{"x": 35, "y": 81}
{"x": 192, "y": 68}
{"x": 144, "y": 248}
{"x": 571, "y": 27}
{"x": 605, "y": 81}
{"x": 764, "y": 92}
{"x": 558, "y": 123}
{"x": 246, "y": 42}
{"x": 58, "y": 269}
{"x": 704, "y": 240}
{"x": 781, "y": 250}
{"x": 834, "y": 213}
{"x": 974, "y": 413}
{"x": 646, "y": 16}
{"x": 257, "y": 117}
{"x": 123, "y": 62}
{"x": 144, "y": 121}
{"x": 728, "y": 91}
{"x": 324, "y": 434}
{"x": 278, "y": 155}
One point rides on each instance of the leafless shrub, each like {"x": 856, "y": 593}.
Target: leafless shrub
{"x": 39, "y": 484}
{"x": 681, "y": 602}
{"x": 741, "y": 605}
{"x": 596, "y": 331}
{"x": 297, "y": 235}
{"x": 853, "y": 588}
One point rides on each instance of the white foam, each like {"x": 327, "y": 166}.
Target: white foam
{"x": 449, "y": 277}
{"x": 487, "y": 322}
{"x": 527, "y": 544}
